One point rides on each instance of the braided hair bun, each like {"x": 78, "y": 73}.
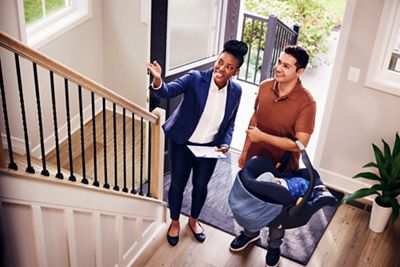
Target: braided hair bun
{"x": 237, "y": 48}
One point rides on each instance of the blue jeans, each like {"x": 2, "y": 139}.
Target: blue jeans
{"x": 182, "y": 163}
{"x": 275, "y": 236}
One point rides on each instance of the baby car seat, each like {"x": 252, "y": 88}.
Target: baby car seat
{"x": 256, "y": 204}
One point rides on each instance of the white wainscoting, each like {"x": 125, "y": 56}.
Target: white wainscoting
{"x": 50, "y": 222}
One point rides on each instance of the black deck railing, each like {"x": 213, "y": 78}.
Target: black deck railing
{"x": 266, "y": 38}
{"x": 77, "y": 152}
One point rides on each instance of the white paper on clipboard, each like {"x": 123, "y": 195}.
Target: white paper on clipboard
{"x": 206, "y": 152}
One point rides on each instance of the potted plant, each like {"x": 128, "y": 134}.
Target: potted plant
{"x": 387, "y": 188}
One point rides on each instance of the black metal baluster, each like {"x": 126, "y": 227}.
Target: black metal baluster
{"x": 116, "y": 188}
{"x": 12, "y": 165}
{"x": 106, "y": 185}
{"x": 149, "y": 163}
{"x": 53, "y": 101}
{"x": 141, "y": 157}
{"x": 30, "y": 168}
{"x": 281, "y": 41}
{"x": 277, "y": 46}
{"x": 258, "y": 51}
{"x": 267, "y": 66}
{"x": 295, "y": 36}
{"x": 242, "y": 38}
{"x": 71, "y": 163}
{"x": 96, "y": 182}
{"x": 249, "y": 50}
{"x": 44, "y": 172}
{"x": 125, "y": 189}
{"x": 84, "y": 179}
{"x": 133, "y": 190}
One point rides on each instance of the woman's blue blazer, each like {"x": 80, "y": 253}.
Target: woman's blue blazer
{"x": 183, "y": 121}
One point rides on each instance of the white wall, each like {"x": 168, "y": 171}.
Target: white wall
{"x": 110, "y": 48}
{"x": 356, "y": 116}
{"x": 126, "y": 39}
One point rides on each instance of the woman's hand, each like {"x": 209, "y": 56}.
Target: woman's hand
{"x": 223, "y": 148}
{"x": 155, "y": 70}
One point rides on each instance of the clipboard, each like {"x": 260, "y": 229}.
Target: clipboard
{"x": 206, "y": 152}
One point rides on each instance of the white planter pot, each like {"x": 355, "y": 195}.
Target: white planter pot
{"x": 379, "y": 217}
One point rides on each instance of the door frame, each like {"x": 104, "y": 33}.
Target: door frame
{"x": 158, "y": 46}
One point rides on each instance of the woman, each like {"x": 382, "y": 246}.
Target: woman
{"x": 205, "y": 117}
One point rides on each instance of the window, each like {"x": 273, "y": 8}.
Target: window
{"x": 194, "y": 34}
{"x": 44, "y": 20}
{"x": 384, "y": 67}
{"x": 394, "y": 63}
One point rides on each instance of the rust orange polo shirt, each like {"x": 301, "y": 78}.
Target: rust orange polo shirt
{"x": 282, "y": 116}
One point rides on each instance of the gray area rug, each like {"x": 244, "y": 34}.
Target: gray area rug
{"x": 298, "y": 244}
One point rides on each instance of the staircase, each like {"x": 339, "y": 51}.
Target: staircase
{"x": 81, "y": 168}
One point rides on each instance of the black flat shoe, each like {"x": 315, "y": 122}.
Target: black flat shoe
{"x": 199, "y": 236}
{"x": 172, "y": 240}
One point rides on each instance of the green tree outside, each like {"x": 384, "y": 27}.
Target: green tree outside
{"x": 33, "y": 9}
{"x": 318, "y": 18}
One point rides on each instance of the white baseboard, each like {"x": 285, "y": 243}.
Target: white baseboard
{"x": 18, "y": 144}
{"x": 342, "y": 183}
{"x": 63, "y": 130}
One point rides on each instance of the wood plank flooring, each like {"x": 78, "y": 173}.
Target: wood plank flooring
{"x": 346, "y": 242}
{"x": 89, "y": 151}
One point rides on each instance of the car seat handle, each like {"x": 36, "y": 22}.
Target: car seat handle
{"x": 300, "y": 145}
{"x": 300, "y": 205}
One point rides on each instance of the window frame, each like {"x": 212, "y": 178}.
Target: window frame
{"x": 197, "y": 63}
{"x": 379, "y": 76}
{"x": 54, "y": 25}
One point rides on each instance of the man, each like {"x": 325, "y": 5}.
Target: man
{"x": 283, "y": 110}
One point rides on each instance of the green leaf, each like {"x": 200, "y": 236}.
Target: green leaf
{"x": 396, "y": 184}
{"x": 386, "y": 149}
{"x": 387, "y": 159}
{"x": 385, "y": 177}
{"x": 395, "y": 192}
{"x": 378, "y": 156}
{"x": 367, "y": 175}
{"x": 396, "y": 148}
{"x": 370, "y": 165}
{"x": 396, "y": 168}
{"x": 396, "y": 208}
{"x": 378, "y": 187}
{"x": 363, "y": 192}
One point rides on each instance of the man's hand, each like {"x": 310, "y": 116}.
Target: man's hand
{"x": 242, "y": 159}
{"x": 155, "y": 70}
{"x": 254, "y": 134}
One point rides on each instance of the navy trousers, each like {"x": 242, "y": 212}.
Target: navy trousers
{"x": 182, "y": 163}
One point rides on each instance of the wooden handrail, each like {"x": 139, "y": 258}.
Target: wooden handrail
{"x": 21, "y": 49}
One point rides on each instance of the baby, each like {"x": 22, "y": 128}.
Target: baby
{"x": 297, "y": 186}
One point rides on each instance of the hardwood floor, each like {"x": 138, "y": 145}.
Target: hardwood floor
{"x": 346, "y": 242}
{"x": 89, "y": 151}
